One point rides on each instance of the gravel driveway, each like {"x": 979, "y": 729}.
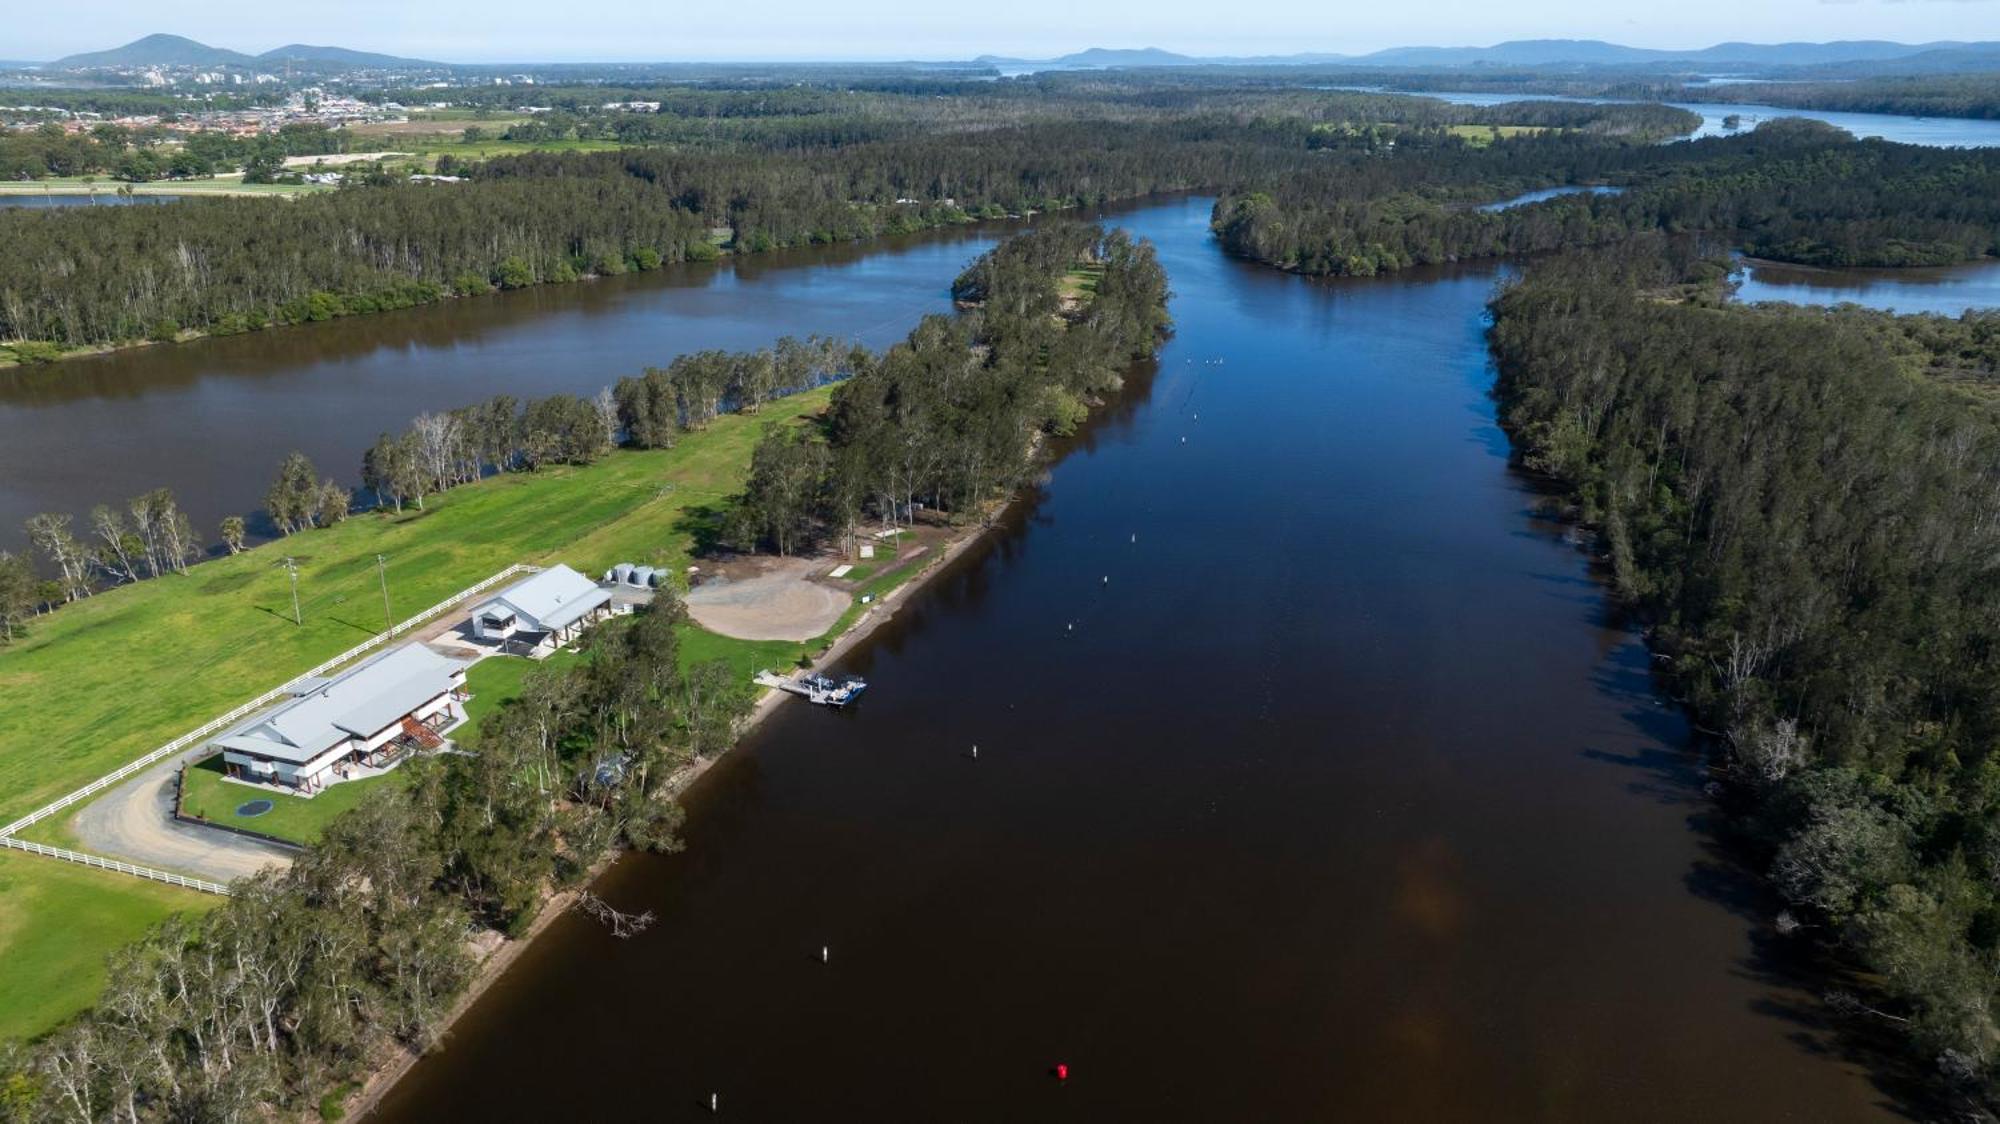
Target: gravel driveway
{"x": 135, "y": 822}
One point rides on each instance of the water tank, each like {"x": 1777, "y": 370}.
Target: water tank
{"x": 641, "y": 576}
{"x": 622, "y": 573}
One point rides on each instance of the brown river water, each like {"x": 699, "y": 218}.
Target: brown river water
{"x": 1315, "y": 782}
{"x": 213, "y": 418}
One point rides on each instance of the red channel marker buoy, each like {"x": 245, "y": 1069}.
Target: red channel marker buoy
{"x": 1062, "y": 1071}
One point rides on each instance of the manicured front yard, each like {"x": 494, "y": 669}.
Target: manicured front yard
{"x": 496, "y": 679}
{"x": 208, "y": 793}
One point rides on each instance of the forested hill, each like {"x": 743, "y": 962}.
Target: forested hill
{"x": 1811, "y": 526}
{"x": 1792, "y": 190}
{"x": 1942, "y": 95}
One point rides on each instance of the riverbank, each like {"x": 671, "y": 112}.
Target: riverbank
{"x": 415, "y": 294}
{"x": 494, "y": 966}
{"x": 88, "y": 688}
{"x": 909, "y": 573}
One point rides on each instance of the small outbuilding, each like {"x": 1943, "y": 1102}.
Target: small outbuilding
{"x": 547, "y": 610}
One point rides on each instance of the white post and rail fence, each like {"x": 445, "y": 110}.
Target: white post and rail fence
{"x": 198, "y": 734}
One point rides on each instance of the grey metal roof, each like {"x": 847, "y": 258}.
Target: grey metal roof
{"x": 555, "y": 598}
{"x": 361, "y": 701}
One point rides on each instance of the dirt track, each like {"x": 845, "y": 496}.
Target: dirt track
{"x": 778, "y": 603}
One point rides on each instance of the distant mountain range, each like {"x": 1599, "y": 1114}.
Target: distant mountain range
{"x": 1540, "y": 52}
{"x": 178, "y": 50}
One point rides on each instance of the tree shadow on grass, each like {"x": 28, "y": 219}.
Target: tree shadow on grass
{"x": 707, "y": 524}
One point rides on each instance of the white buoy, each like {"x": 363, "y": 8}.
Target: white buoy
{"x": 1183, "y": 440}
{"x": 1107, "y": 579}
{"x": 1071, "y": 626}
{"x": 824, "y": 952}
{"x": 975, "y": 753}
{"x": 715, "y": 1102}
{"x": 1135, "y": 536}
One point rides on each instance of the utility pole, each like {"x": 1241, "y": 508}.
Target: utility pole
{"x": 382, "y": 571}
{"x": 292, "y": 568}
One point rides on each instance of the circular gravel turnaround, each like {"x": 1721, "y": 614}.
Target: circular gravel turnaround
{"x": 253, "y": 808}
{"x": 778, "y": 603}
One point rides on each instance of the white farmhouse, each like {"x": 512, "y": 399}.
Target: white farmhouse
{"x": 371, "y": 714}
{"x": 545, "y": 611}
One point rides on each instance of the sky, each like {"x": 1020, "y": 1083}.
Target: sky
{"x": 650, "y": 30}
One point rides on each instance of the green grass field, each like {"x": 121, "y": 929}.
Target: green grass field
{"x": 1479, "y": 136}
{"x": 745, "y": 657}
{"x": 496, "y": 679}
{"x": 207, "y": 794}
{"x": 1080, "y": 282}
{"x": 102, "y": 681}
{"x": 57, "y": 924}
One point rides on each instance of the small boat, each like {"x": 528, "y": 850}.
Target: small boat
{"x": 825, "y": 690}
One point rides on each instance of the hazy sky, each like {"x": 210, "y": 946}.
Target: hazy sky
{"x": 510, "y": 30}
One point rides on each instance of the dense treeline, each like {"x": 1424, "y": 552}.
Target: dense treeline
{"x": 1938, "y": 95}
{"x": 153, "y": 152}
{"x": 688, "y": 393}
{"x": 214, "y": 265}
{"x": 949, "y": 418}
{"x": 296, "y": 984}
{"x": 1812, "y": 532}
{"x": 1792, "y": 190}
{"x": 1962, "y": 350}
{"x": 125, "y": 101}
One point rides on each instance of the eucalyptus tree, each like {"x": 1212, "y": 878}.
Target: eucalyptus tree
{"x": 50, "y": 533}
{"x": 293, "y": 497}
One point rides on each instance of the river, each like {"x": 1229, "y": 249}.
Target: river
{"x": 1947, "y": 289}
{"x": 1314, "y": 782}
{"x": 213, "y": 418}
{"x": 101, "y": 199}
{"x": 1943, "y": 132}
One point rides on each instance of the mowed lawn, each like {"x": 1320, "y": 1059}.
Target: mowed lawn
{"x": 58, "y": 922}
{"x": 495, "y": 680}
{"x": 102, "y": 681}
{"x": 206, "y": 792}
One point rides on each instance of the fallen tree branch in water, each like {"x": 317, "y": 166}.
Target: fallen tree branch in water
{"x": 622, "y": 925}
